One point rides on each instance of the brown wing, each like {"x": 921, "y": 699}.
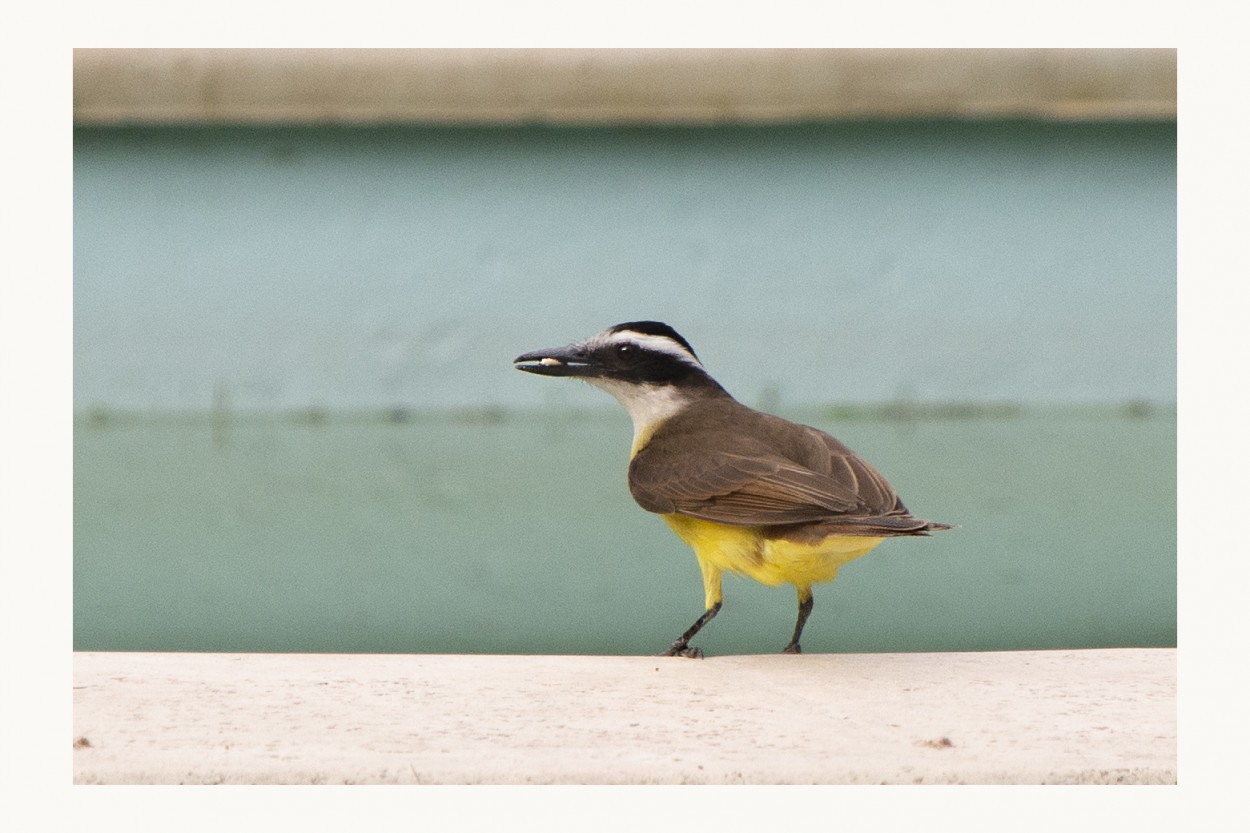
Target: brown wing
{"x": 734, "y": 465}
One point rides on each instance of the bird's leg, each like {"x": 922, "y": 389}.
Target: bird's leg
{"x": 711, "y": 604}
{"x": 805, "y": 610}
{"x": 682, "y": 648}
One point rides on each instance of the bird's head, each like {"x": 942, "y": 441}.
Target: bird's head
{"x": 638, "y": 352}
{"x": 646, "y": 365}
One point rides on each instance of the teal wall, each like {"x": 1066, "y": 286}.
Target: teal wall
{"x": 298, "y": 427}
{"x": 403, "y": 266}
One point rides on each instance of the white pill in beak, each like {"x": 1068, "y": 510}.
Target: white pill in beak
{"x": 550, "y": 361}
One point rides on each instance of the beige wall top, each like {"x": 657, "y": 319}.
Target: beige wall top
{"x": 642, "y": 86}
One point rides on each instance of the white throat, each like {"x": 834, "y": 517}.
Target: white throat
{"x": 647, "y": 405}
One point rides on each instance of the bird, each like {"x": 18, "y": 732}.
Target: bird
{"x": 751, "y": 493}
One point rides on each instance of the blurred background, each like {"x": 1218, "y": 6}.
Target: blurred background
{"x": 301, "y": 275}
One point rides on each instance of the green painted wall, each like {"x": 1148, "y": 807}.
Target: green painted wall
{"x": 345, "y": 268}
{"x": 298, "y": 427}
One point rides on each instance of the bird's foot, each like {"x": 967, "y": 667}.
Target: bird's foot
{"x": 792, "y": 648}
{"x": 678, "y": 649}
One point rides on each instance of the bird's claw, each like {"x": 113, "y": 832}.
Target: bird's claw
{"x": 688, "y": 651}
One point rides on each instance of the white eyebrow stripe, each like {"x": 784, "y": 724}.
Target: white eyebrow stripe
{"x": 660, "y": 344}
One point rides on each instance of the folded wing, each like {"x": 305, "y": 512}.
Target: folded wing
{"x": 776, "y": 473}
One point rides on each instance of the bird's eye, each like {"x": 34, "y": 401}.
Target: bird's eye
{"x": 625, "y": 351}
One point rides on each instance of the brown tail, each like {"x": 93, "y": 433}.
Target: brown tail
{"x": 885, "y": 526}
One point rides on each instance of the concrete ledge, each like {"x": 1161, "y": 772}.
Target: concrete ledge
{"x": 1106, "y": 716}
{"x": 616, "y": 86}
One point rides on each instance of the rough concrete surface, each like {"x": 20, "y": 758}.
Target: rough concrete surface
{"x": 1093, "y": 716}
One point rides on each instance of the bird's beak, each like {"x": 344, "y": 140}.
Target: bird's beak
{"x": 572, "y": 360}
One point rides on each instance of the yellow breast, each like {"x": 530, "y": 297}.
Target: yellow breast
{"x": 746, "y": 550}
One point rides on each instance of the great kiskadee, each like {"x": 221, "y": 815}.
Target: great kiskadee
{"x": 750, "y": 493}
